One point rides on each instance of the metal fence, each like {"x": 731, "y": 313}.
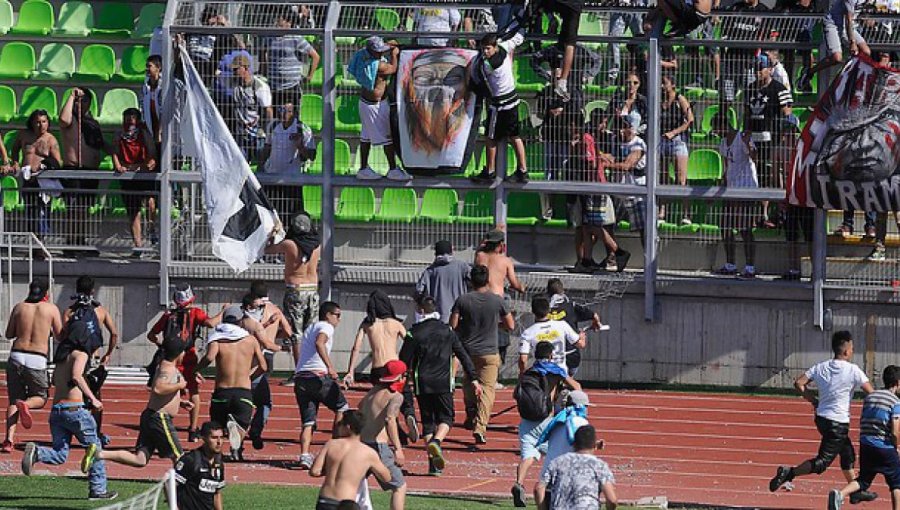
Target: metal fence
{"x": 691, "y": 208}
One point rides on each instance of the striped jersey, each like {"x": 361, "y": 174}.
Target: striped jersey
{"x": 875, "y": 424}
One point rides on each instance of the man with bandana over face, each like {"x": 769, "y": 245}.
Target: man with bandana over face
{"x": 380, "y": 408}
{"x": 30, "y": 326}
{"x": 187, "y": 320}
{"x": 136, "y": 152}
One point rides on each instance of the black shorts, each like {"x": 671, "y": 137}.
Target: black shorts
{"x": 435, "y": 409}
{"x": 570, "y": 12}
{"x": 310, "y": 392}
{"x": 502, "y": 123}
{"x": 237, "y": 402}
{"x": 157, "y": 434}
{"x": 873, "y": 461}
{"x": 798, "y": 220}
{"x": 133, "y": 203}
{"x": 324, "y": 503}
{"x": 835, "y": 441}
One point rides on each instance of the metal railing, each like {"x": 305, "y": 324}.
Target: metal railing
{"x": 15, "y": 247}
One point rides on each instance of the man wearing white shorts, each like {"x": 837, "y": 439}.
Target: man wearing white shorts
{"x": 371, "y": 67}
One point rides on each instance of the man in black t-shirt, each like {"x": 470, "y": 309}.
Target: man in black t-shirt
{"x": 563, "y": 309}
{"x": 767, "y": 104}
{"x": 738, "y": 62}
{"x": 200, "y": 473}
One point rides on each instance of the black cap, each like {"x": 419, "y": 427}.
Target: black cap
{"x": 443, "y": 247}
{"x": 37, "y": 290}
{"x": 172, "y": 348}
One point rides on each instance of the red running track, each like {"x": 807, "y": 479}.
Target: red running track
{"x": 702, "y": 449}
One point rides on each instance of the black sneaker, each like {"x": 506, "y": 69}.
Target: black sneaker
{"x": 835, "y": 500}
{"x": 862, "y": 496}
{"x": 257, "y": 443}
{"x": 106, "y": 496}
{"x": 484, "y": 176}
{"x": 518, "y": 494}
{"x": 479, "y": 438}
{"x": 433, "y": 471}
{"x": 518, "y": 176}
{"x": 622, "y": 260}
{"x": 193, "y": 435}
{"x": 236, "y": 455}
{"x": 781, "y": 476}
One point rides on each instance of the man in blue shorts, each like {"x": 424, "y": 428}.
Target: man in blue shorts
{"x": 879, "y": 427}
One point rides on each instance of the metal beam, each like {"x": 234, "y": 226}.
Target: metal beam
{"x": 326, "y": 265}
{"x": 651, "y": 260}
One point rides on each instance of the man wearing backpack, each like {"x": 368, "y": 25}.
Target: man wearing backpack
{"x": 183, "y": 321}
{"x": 88, "y": 315}
{"x": 428, "y": 351}
{"x": 535, "y": 406}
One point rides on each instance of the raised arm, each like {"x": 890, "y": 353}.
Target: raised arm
{"x": 65, "y": 114}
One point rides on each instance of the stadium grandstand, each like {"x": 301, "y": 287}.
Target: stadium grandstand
{"x": 652, "y": 176}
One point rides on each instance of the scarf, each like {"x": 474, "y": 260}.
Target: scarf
{"x": 307, "y": 243}
{"x": 564, "y": 418}
{"x": 227, "y": 332}
{"x": 255, "y": 313}
{"x": 545, "y": 367}
{"x": 557, "y": 300}
{"x": 378, "y": 307}
{"x": 425, "y": 317}
{"x": 84, "y": 300}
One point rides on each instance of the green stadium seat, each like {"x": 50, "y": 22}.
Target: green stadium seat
{"x": 523, "y": 208}
{"x": 398, "y": 205}
{"x": 134, "y": 65}
{"x": 694, "y": 93}
{"x": 8, "y": 139}
{"x": 12, "y": 201}
{"x": 560, "y": 210}
{"x": 598, "y": 104}
{"x": 706, "y": 121}
{"x": 534, "y": 158}
{"x": 803, "y": 115}
{"x": 7, "y": 103}
{"x": 37, "y": 98}
{"x": 35, "y": 18}
{"x": 478, "y": 208}
{"x": 150, "y": 17}
{"x": 346, "y": 115}
{"x": 591, "y": 25}
{"x": 318, "y": 77}
{"x": 311, "y": 109}
{"x": 114, "y": 103}
{"x": 98, "y": 63}
{"x": 526, "y": 79}
{"x": 704, "y": 165}
{"x": 76, "y": 19}
{"x": 439, "y": 206}
{"x": 6, "y": 16}
{"x": 57, "y": 62}
{"x": 16, "y": 60}
{"x": 111, "y": 202}
{"x": 115, "y": 20}
{"x": 356, "y": 205}
{"x": 312, "y": 201}
{"x": 95, "y": 107}
{"x": 387, "y": 19}
{"x": 342, "y": 159}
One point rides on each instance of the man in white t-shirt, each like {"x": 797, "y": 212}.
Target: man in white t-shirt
{"x": 836, "y": 379}
{"x": 252, "y": 107}
{"x": 315, "y": 379}
{"x": 558, "y": 333}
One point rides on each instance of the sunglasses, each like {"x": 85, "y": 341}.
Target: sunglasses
{"x": 336, "y": 314}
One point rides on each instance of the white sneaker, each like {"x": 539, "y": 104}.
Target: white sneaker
{"x": 235, "y": 433}
{"x": 562, "y": 90}
{"x": 398, "y": 174}
{"x": 306, "y": 461}
{"x": 367, "y": 174}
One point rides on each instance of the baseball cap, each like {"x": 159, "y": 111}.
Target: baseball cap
{"x": 495, "y": 236}
{"x": 579, "y": 398}
{"x": 394, "y": 370}
{"x": 443, "y": 247}
{"x": 240, "y": 61}
{"x": 37, "y": 290}
{"x": 232, "y": 314}
{"x": 183, "y": 295}
{"x": 762, "y": 61}
{"x": 376, "y": 44}
{"x": 632, "y": 120}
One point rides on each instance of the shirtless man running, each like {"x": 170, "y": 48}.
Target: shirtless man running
{"x": 70, "y": 416}
{"x": 300, "y": 249}
{"x": 492, "y": 254}
{"x": 27, "y": 382}
{"x": 157, "y": 432}
{"x": 345, "y": 462}
{"x": 383, "y": 329}
{"x": 380, "y": 408}
{"x": 234, "y": 350}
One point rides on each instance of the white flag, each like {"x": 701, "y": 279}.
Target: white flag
{"x": 240, "y": 218}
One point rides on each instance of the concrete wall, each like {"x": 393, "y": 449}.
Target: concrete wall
{"x": 756, "y": 334}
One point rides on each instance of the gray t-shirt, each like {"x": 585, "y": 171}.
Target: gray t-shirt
{"x": 574, "y": 481}
{"x": 479, "y": 316}
{"x": 288, "y": 60}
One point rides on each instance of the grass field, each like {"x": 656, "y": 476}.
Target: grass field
{"x": 50, "y": 492}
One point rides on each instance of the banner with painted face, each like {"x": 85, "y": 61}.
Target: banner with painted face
{"x": 848, "y": 156}
{"x": 436, "y": 110}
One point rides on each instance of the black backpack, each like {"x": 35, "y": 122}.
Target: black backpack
{"x": 82, "y": 333}
{"x": 176, "y": 327}
{"x": 532, "y": 396}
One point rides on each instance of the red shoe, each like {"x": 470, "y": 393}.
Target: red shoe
{"x": 7, "y": 447}
{"x": 24, "y": 414}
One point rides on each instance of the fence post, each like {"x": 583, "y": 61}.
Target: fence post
{"x": 819, "y": 253}
{"x": 501, "y": 166}
{"x": 326, "y": 268}
{"x": 165, "y": 183}
{"x": 650, "y": 231}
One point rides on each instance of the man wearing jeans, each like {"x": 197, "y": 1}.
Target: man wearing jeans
{"x": 618, "y": 22}
{"x": 71, "y": 414}
{"x": 475, "y": 318}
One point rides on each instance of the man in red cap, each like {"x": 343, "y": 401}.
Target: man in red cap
{"x": 380, "y": 408}
{"x": 184, "y": 320}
